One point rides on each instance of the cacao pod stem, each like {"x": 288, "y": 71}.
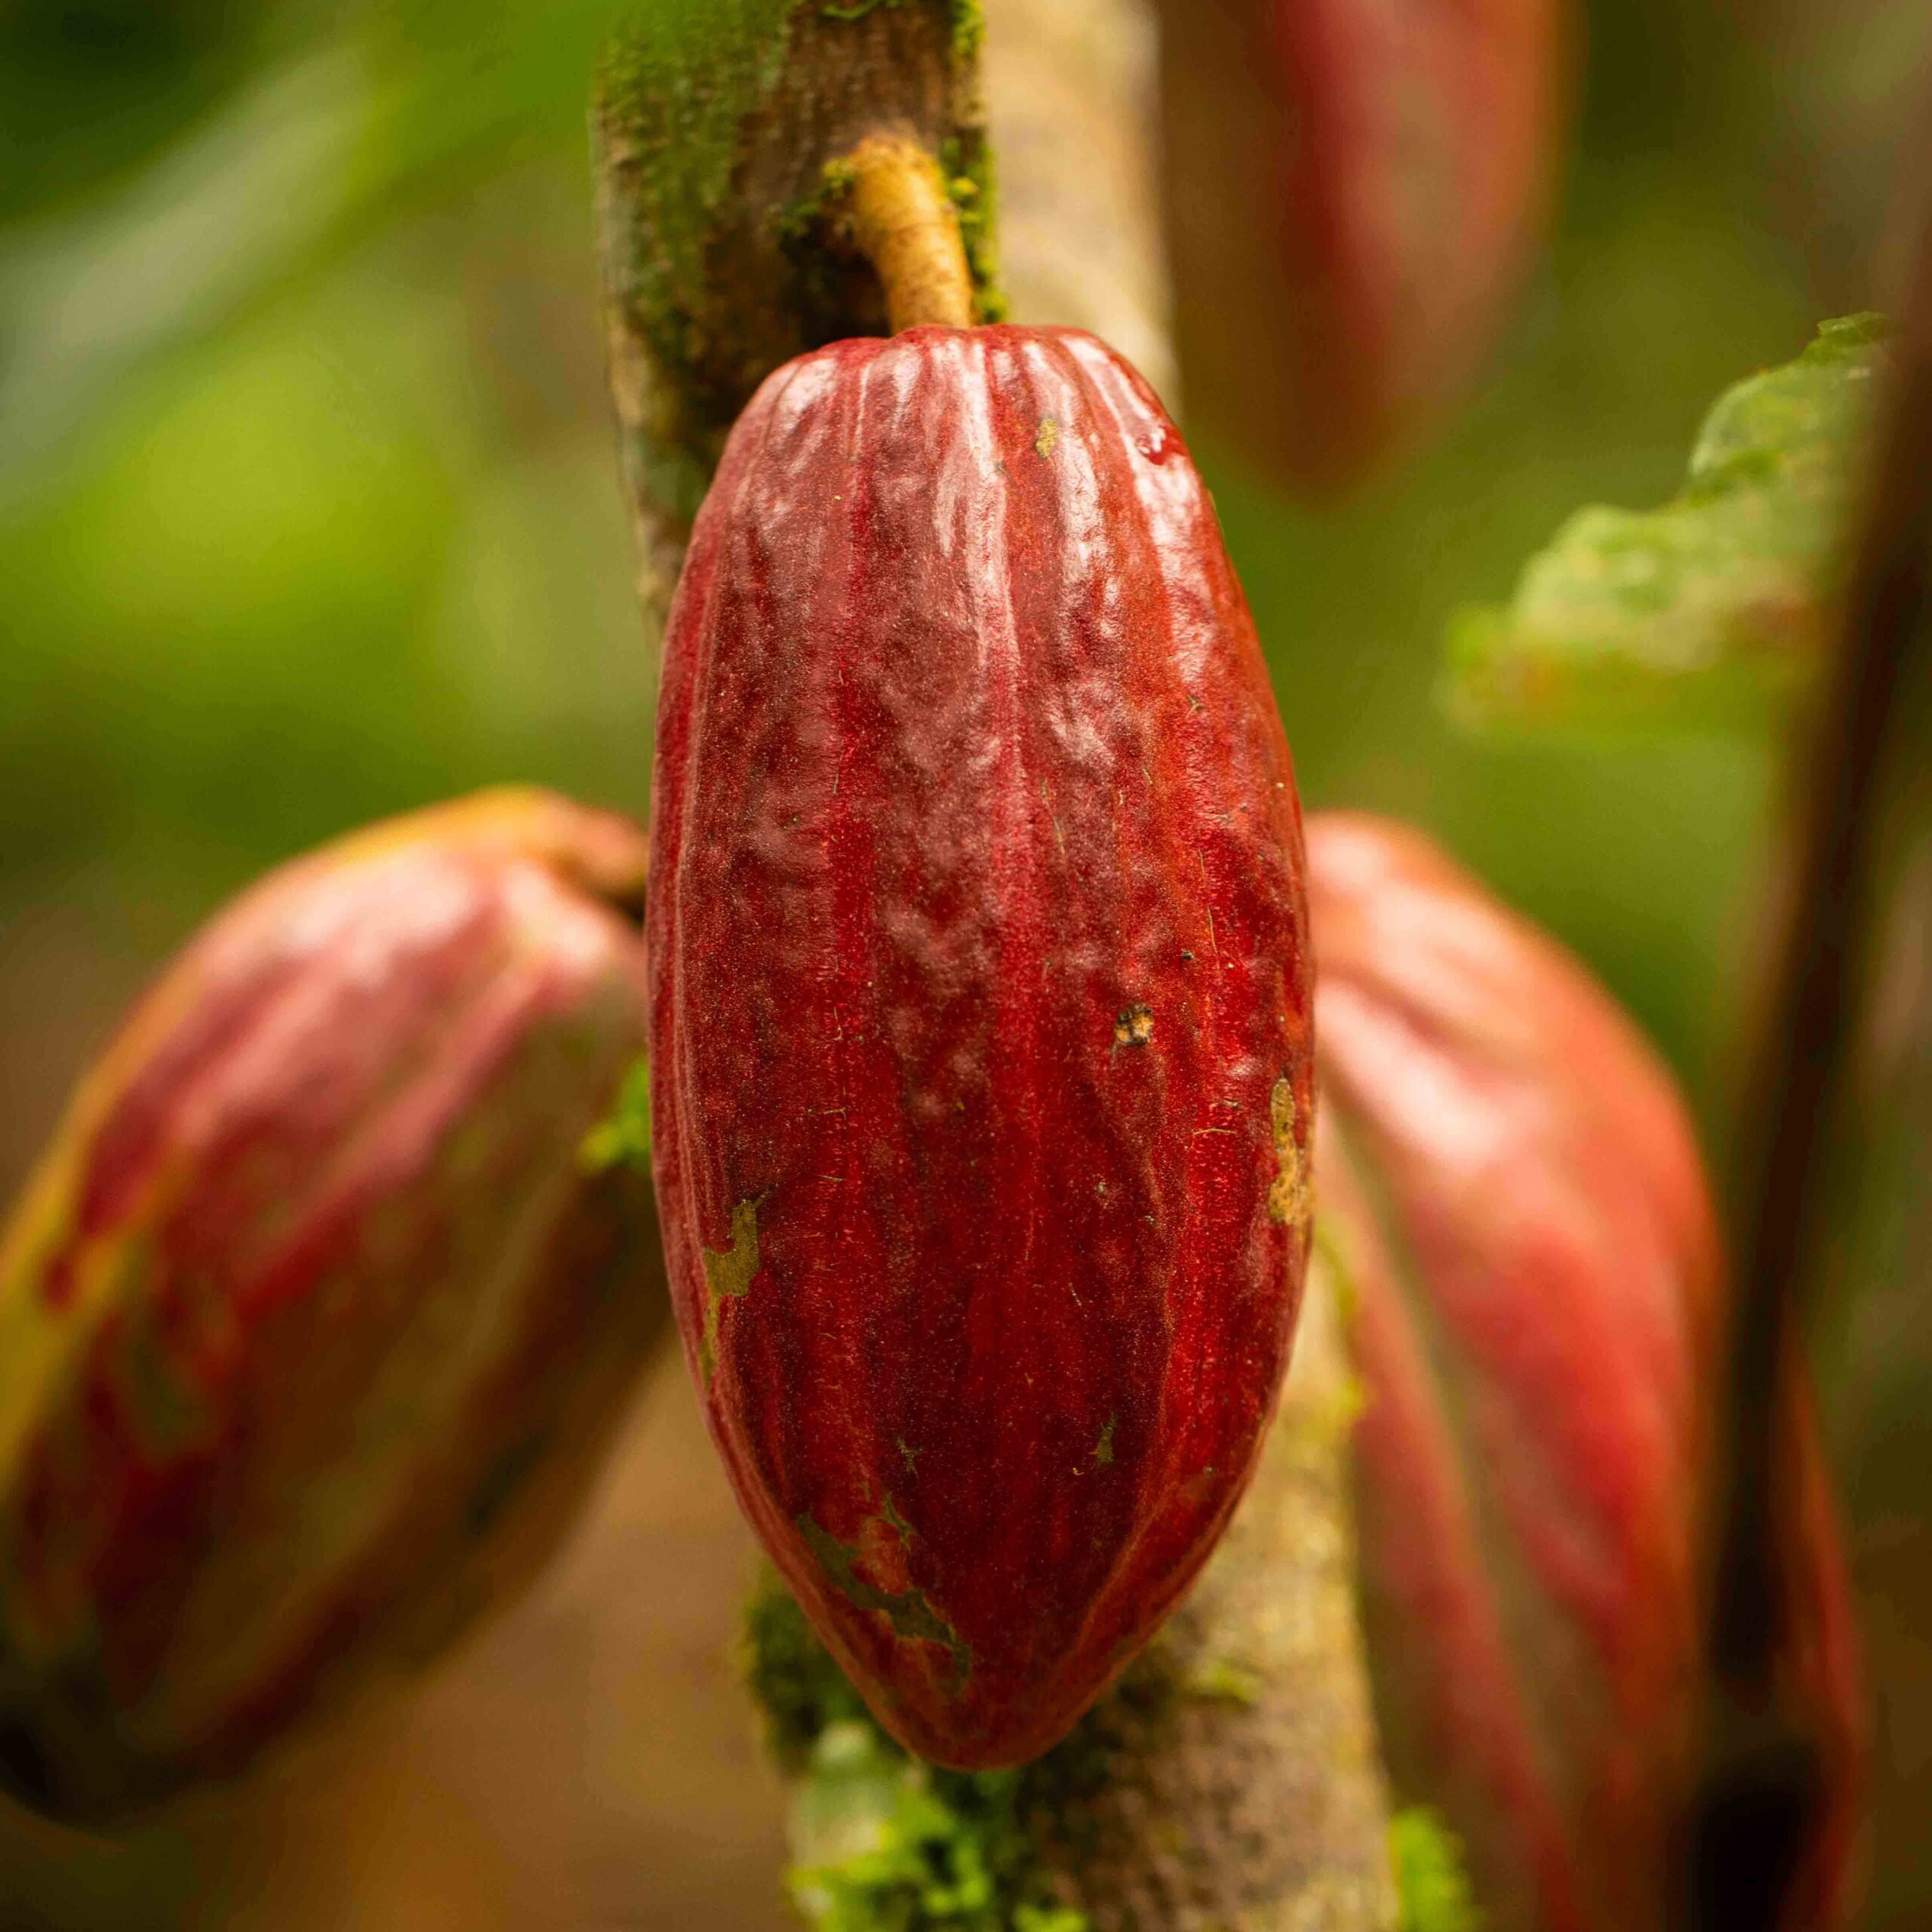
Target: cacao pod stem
{"x": 905, "y": 225}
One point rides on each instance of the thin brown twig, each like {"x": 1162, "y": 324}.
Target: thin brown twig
{"x": 1762, "y": 1773}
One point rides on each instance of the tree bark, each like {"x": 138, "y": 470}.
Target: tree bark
{"x": 718, "y": 225}
{"x": 1072, "y": 108}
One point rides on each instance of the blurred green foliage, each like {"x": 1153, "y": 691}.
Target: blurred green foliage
{"x": 308, "y": 511}
{"x": 1714, "y": 610}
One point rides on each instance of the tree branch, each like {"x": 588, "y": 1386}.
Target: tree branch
{"x": 1763, "y": 1772}
{"x": 1071, "y": 93}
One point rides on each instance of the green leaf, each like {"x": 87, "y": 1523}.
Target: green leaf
{"x": 1712, "y": 611}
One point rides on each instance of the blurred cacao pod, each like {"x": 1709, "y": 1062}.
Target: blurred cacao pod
{"x": 315, "y": 1316}
{"x": 1516, "y": 1199}
{"x": 979, "y": 1015}
{"x": 1356, "y": 189}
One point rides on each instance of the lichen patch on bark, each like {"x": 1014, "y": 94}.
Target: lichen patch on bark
{"x": 714, "y": 125}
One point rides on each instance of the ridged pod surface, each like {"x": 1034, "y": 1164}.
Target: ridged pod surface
{"x": 979, "y": 1016}
{"x": 1513, "y": 1189}
{"x": 314, "y": 1316}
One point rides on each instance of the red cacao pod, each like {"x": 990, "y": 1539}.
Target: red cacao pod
{"x": 979, "y": 1016}
{"x": 315, "y": 1314}
{"x": 1515, "y": 1195}
{"x": 1359, "y": 185}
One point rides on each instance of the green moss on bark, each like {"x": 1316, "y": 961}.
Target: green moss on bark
{"x": 885, "y": 1843}
{"x": 968, "y": 169}
{"x": 720, "y": 125}
{"x": 683, "y": 77}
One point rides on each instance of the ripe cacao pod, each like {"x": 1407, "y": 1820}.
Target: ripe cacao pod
{"x": 979, "y": 1016}
{"x": 1514, "y": 1195}
{"x": 315, "y": 1317}
{"x": 1359, "y": 185}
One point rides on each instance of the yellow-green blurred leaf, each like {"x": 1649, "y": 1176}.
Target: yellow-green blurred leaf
{"x": 1711, "y": 611}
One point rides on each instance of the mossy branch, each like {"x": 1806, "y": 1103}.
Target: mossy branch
{"x": 727, "y": 134}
